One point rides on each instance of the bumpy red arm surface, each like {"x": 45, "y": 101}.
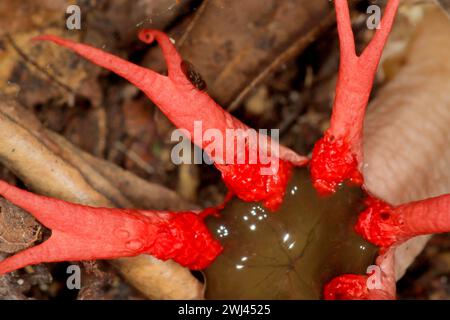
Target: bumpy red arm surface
{"x": 88, "y": 233}
{"x": 385, "y": 225}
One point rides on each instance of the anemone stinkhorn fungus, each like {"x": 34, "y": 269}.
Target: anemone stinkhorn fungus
{"x": 285, "y": 235}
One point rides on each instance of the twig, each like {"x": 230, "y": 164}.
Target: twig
{"x": 198, "y": 14}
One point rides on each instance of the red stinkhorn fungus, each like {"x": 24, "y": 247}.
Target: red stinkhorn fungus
{"x": 81, "y": 232}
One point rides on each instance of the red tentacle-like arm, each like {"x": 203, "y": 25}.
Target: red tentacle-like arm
{"x": 186, "y": 106}
{"x": 88, "y": 233}
{"x": 338, "y": 155}
{"x": 385, "y": 225}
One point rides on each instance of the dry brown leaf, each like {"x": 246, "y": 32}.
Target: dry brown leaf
{"x": 23, "y": 16}
{"x": 18, "y": 229}
{"x": 231, "y": 42}
{"x": 40, "y": 71}
{"x": 36, "y": 72}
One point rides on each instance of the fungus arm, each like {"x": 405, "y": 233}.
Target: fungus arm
{"x": 385, "y": 225}
{"x": 338, "y": 155}
{"x": 87, "y": 233}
